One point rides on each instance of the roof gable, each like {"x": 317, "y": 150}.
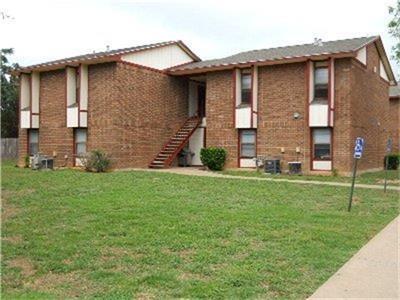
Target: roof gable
{"x": 105, "y": 56}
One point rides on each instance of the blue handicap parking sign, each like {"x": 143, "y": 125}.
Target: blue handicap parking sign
{"x": 359, "y": 148}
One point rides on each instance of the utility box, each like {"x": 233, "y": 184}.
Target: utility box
{"x": 272, "y": 166}
{"x": 294, "y": 167}
{"x": 185, "y": 158}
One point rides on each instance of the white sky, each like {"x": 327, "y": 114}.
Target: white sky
{"x": 42, "y": 30}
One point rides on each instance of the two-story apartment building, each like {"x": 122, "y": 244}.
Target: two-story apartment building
{"x": 143, "y": 105}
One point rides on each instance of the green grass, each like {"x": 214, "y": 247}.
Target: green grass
{"x": 393, "y": 176}
{"x": 138, "y": 234}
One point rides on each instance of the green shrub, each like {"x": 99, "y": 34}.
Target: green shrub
{"x": 213, "y": 157}
{"x": 393, "y": 161}
{"x": 96, "y": 161}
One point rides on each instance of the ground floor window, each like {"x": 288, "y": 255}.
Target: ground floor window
{"x": 322, "y": 143}
{"x": 247, "y": 141}
{"x": 33, "y": 141}
{"x": 80, "y": 138}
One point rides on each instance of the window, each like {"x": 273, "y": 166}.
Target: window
{"x": 33, "y": 141}
{"x": 321, "y": 79}
{"x": 245, "y": 86}
{"x": 322, "y": 144}
{"x": 248, "y": 143}
{"x": 80, "y": 141}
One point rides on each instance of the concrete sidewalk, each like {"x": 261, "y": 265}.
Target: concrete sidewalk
{"x": 373, "y": 272}
{"x": 202, "y": 173}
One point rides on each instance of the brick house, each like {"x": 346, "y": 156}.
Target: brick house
{"x": 143, "y": 105}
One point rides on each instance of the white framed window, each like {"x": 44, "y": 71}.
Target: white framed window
{"x": 322, "y": 143}
{"x": 80, "y": 140}
{"x": 33, "y": 141}
{"x": 245, "y": 86}
{"x": 321, "y": 82}
{"x": 247, "y": 141}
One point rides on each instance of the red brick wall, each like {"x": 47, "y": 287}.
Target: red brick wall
{"x": 132, "y": 112}
{"x": 394, "y": 108}
{"x": 282, "y": 91}
{"x": 342, "y": 143}
{"x": 150, "y": 107}
{"x": 103, "y": 110}
{"x": 220, "y": 130}
{"x": 55, "y": 138}
{"x": 370, "y": 110}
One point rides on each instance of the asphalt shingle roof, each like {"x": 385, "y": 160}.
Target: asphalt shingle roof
{"x": 339, "y": 46}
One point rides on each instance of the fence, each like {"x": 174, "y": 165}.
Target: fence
{"x": 9, "y": 148}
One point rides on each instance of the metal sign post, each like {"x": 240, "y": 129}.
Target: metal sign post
{"x": 388, "y": 150}
{"x": 358, "y": 151}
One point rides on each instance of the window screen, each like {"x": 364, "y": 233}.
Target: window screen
{"x": 322, "y": 144}
{"x": 248, "y": 143}
{"x": 321, "y": 79}
{"x": 245, "y": 82}
{"x": 80, "y": 141}
{"x": 33, "y": 137}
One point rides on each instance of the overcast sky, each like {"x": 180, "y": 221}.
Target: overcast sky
{"x": 45, "y": 30}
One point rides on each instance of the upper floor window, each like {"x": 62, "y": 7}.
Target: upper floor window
{"x": 321, "y": 82}
{"x": 245, "y": 86}
{"x": 33, "y": 141}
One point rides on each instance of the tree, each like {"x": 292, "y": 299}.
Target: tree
{"x": 394, "y": 29}
{"x": 9, "y": 96}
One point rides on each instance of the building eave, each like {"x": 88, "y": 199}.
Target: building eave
{"x": 284, "y": 60}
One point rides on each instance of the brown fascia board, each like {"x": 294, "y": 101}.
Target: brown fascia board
{"x": 285, "y": 60}
{"x": 188, "y": 51}
{"x": 60, "y": 65}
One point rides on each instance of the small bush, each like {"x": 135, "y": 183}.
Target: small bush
{"x": 26, "y": 161}
{"x": 96, "y": 161}
{"x": 213, "y": 157}
{"x": 393, "y": 161}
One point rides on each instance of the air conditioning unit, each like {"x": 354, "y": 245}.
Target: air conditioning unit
{"x": 294, "y": 167}
{"x": 272, "y": 166}
{"x": 42, "y": 162}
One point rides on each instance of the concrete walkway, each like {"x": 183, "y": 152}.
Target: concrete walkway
{"x": 373, "y": 272}
{"x": 197, "y": 172}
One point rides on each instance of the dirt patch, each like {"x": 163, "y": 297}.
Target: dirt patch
{"x": 389, "y": 181}
{"x": 23, "y": 264}
{"x": 67, "y": 284}
{"x": 144, "y": 296}
{"x": 15, "y": 240}
{"x": 6, "y": 194}
{"x": 8, "y": 211}
{"x": 356, "y": 200}
{"x": 117, "y": 252}
{"x": 191, "y": 276}
{"x": 185, "y": 254}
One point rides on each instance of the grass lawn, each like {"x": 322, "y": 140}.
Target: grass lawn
{"x": 393, "y": 176}
{"x": 147, "y": 235}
